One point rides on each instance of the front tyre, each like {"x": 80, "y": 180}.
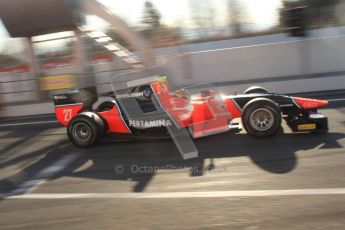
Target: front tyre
{"x": 84, "y": 131}
{"x": 261, "y": 117}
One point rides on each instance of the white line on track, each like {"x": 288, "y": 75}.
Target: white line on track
{"x": 27, "y": 123}
{"x": 43, "y": 176}
{"x": 167, "y": 195}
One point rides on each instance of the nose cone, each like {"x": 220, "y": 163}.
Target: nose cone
{"x": 307, "y": 103}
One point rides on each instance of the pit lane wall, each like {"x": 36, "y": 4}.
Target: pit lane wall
{"x": 316, "y": 64}
{"x": 286, "y": 67}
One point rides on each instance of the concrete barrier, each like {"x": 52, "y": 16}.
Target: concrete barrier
{"x": 266, "y": 61}
{"x": 288, "y": 67}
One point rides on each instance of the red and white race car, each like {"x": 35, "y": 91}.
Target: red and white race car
{"x": 146, "y": 108}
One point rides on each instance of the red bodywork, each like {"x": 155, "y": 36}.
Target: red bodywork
{"x": 65, "y": 113}
{"x": 114, "y": 120}
{"x": 307, "y": 103}
{"x": 205, "y": 115}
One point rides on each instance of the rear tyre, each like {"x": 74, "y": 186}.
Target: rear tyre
{"x": 261, "y": 117}
{"x": 84, "y": 131}
{"x": 255, "y": 89}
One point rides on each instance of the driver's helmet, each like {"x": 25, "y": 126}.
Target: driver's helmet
{"x": 181, "y": 93}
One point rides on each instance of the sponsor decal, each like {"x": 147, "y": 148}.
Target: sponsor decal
{"x": 57, "y": 82}
{"x": 286, "y": 105}
{"x": 162, "y": 84}
{"x": 310, "y": 104}
{"x": 67, "y": 114}
{"x": 127, "y": 95}
{"x": 306, "y": 127}
{"x": 14, "y": 69}
{"x": 147, "y": 93}
{"x": 57, "y": 64}
{"x": 149, "y": 124}
{"x": 58, "y": 97}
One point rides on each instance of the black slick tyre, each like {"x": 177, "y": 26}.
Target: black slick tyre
{"x": 261, "y": 117}
{"x": 85, "y": 131}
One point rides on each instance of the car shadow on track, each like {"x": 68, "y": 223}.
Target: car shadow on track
{"x": 122, "y": 161}
{"x": 139, "y": 161}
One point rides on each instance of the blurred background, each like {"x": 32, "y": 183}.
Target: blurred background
{"x": 286, "y": 46}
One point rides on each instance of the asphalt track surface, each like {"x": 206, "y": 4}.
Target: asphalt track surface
{"x": 289, "y": 181}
